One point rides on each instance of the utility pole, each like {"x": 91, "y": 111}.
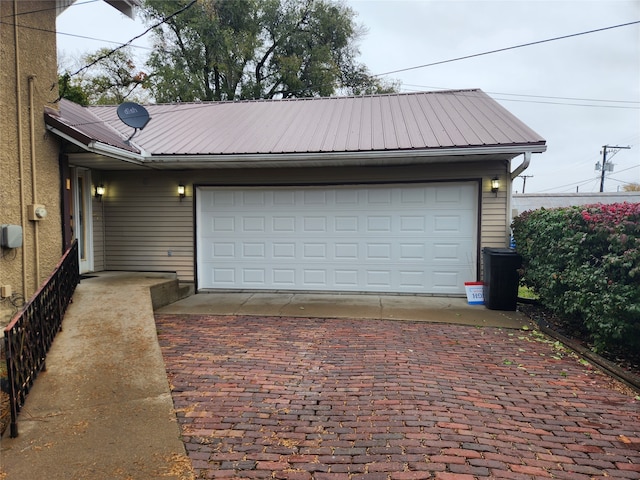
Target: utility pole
{"x": 607, "y": 167}
{"x": 524, "y": 181}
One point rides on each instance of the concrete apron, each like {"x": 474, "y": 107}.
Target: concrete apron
{"x": 365, "y": 306}
{"x": 103, "y": 408}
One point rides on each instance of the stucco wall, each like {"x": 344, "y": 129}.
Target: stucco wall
{"x": 27, "y": 151}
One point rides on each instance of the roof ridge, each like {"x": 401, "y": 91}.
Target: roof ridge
{"x": 301, "y": 99}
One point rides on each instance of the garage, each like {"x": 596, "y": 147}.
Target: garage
{"x": 391, "y": 238}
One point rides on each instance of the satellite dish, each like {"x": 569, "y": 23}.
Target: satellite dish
{"x": 133, "y": 115}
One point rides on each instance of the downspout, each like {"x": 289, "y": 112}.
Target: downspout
{"x": 20, "y": 156}
{"x": 522, "y": 167}
{"x": 34, "y": 190}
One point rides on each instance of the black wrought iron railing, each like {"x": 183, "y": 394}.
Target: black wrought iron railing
{"x": 31, "y": 332}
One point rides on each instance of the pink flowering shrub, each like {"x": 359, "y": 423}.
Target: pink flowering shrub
{"x": 584, "y": 263}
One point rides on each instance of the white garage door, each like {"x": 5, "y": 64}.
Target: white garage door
{"x": 415, "y": 238}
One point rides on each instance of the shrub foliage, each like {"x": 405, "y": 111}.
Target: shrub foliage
{"x": 584, "y": 263}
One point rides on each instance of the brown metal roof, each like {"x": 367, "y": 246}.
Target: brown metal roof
{"x": 461, "y": 119}
{"x": 77, "y": 122}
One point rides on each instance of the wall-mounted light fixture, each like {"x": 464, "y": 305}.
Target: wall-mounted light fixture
{"x": 495, "y": 185}
{"x": 181, "y": 191}
{"x": 100, "y": 191}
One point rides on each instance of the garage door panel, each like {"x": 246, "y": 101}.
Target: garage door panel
{"x": 445, "y": 280}
{"x": 347, "y": 197}
{"x": 255, "y": 251}
{"x": 254, "y": 276}
{"x": 346, "y": 251}
{"x": 453, "y": 253}
{"x": 284, "y": 277}
{"x": 221, "y": 224}
{"x": 345, "y": 224}
{"x": 283, "y": 224}
{"x": 314, "y": 251}
{"x": 314, "y": 197}
{"x": 412, "y": 252}
{"x": 345, "y": 278}
{"x": 314, "y": 224}
{"x": 284, "y": 197}
{"x": 389, "y": 238}
{"x": 448, "y": 252}
{"x": 379, "y": 224}
{"x": 413, "y": 196}
{"x": 283, "y": 251}
{"x": 223, "y": 250}
{"x": 253, "y": 224}
{"x": 224, "y": 276}
{"x": 412, "y": 224}
{"x": 449, "y": 197}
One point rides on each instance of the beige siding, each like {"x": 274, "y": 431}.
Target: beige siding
{"x": 98, "y": 234}
{"x": 148, "y": 228}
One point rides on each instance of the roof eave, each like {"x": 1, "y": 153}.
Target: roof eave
{"x": 126, "y": 7}
{"x": 53, "y": 124}
{"x": 98, "y": 148}
{"x": 338, "y": 158}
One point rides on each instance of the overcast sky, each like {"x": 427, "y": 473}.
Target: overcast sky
{"x": 579, "y": 93}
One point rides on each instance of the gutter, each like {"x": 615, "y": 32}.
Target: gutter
{"x": 333, "y": 158}
{"x": 103, "y": 149}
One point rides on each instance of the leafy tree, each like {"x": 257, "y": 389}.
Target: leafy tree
{"x": 247, "y": 49}
{"x": 111, "y": 79}
{"x": 72, "y": 90}
{"x": 632, "y": 187}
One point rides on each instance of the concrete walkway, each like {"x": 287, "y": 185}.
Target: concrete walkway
{"x": 102, "y": 409}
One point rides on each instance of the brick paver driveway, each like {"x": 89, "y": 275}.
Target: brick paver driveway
{"x": 335, "y": 399}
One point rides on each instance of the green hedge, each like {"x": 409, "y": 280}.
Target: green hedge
{"x": 584, "y": 263}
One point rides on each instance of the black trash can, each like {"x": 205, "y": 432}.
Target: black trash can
{"x": 501, "y": 278}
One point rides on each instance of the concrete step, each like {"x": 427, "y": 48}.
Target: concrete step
{"x": 169, "y": 292}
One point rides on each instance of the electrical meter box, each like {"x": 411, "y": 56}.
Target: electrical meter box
{"x": 10, "y": 236}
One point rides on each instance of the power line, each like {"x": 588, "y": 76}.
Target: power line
{"x": 584, "y": 181}
{"x": 100, "y": 40}
{"x": 539, "y": 102}
{"x": 568, "y": 104}
{"x": 538, "y": 42}
{"x": 621, "y": 181}
{"x": 111, "y": 52}
{"x": 114, "y": 50}
{"x": 47, "y": 30}
{"x": 535, "y": 96}
{"x": 577, "y": 184}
